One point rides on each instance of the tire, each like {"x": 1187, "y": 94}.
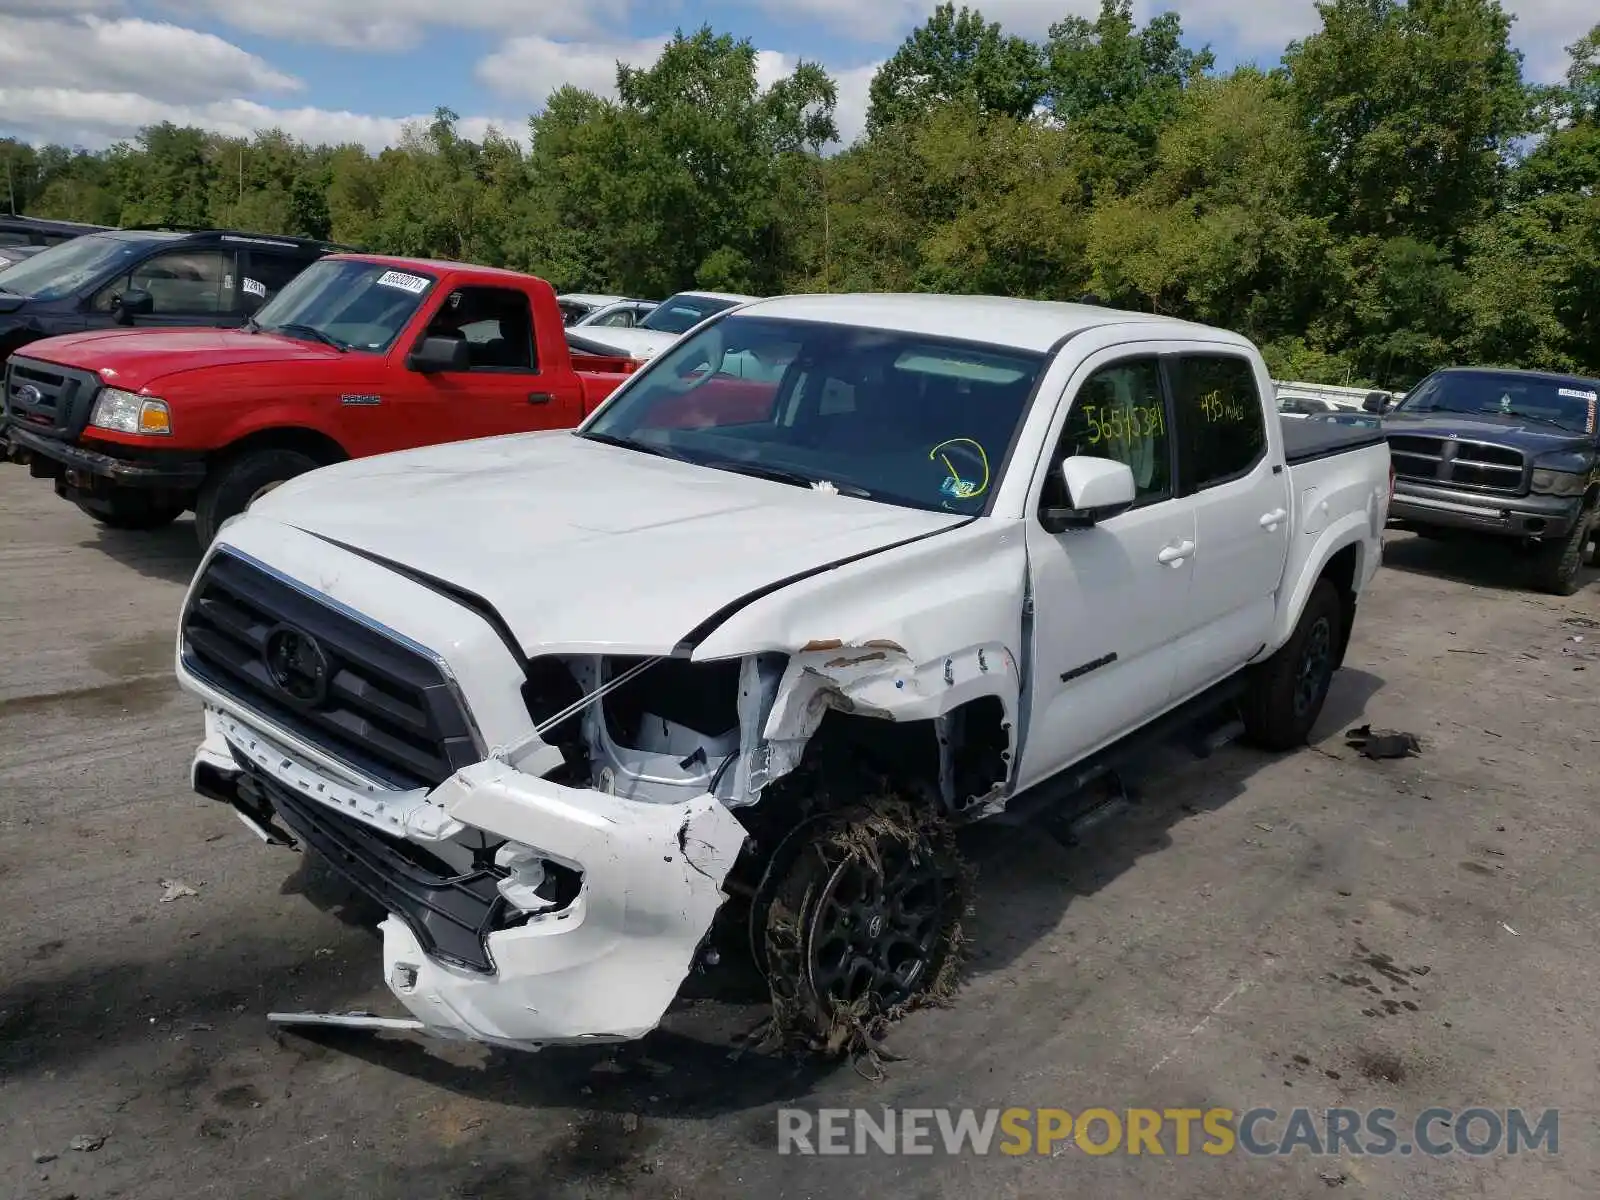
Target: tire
{"x": 1285, "y": 697}
{"x": 863, "y": 924}
{"x": 230, "y": 488}
{"x": 1558, "y": 565}
{"x": 131, "y": 509}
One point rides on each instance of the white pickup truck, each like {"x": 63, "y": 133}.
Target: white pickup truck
{"x": 586, "y": 711}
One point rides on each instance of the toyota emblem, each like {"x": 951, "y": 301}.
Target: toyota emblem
{"x": 296, "y": 665}
{"x": 29, "y": 395}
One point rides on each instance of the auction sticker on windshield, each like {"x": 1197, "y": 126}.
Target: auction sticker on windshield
{"x": 415, "y": 284}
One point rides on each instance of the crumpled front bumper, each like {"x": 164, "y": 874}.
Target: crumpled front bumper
{"x": 603, "y": 968}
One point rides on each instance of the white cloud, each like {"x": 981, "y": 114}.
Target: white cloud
{"x": 94, "y": 119}
{"x": 530, "y": 68}
{"x": 149, "y": 58}
{"x": 86, "y": 80}
{"x": 1249, "y": 30}
{"x": 401, "y": 24}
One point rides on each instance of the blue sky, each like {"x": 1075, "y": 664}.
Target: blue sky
{"x": 90, "y": 72}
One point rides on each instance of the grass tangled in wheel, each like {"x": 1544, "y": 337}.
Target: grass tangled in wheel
{"x": 863, "y": 924}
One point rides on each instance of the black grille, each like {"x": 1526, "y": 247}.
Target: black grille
{"x": 388, "y": 710}
{"x": 50, "y": 399}
{"x": 1460, "y": 463}
{"x": 451, "y": 913}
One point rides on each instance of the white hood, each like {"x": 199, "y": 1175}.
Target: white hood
{"x": 584, "y": 547}
{"x": 635, "y": 343}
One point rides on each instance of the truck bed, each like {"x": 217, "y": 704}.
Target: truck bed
{"x": 1304, "y": 441}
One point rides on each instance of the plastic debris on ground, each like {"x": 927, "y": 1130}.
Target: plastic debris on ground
{"x": 1383, "y": 743}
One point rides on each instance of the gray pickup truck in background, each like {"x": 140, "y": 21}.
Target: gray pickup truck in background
{"x": 1505, "y": 454}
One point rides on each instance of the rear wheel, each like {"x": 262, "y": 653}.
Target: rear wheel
{"x": 1286, "y": 695}
{"x": 232, "y": 485}
{"x": 131, "y": 509}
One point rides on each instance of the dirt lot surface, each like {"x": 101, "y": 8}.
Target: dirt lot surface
{"x": 1315, "y": 929}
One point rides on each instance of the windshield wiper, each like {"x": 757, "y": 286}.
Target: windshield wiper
{"x": 611, "y": 439}
{"x": 784, "y": 475}
{"x": 1538, "y": 418}
{"x": 315, "y": 333}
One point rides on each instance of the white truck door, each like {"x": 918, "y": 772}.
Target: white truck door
{"x": 1109, "y": 602}
{"x": 1230, "y": 468}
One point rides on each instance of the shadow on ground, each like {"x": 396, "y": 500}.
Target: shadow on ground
{"x": 1028, "y": 877}
{"x": 169, "y": 554}
{"x": 1498, "y": 563}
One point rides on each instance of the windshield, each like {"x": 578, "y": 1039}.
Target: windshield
{"x": 898, "y": 417}
{"x": 353, "y": 304}
{"x": 66, "y": 268}
{"x": 1559, "y": 403}
{"x": 682, "y": 313}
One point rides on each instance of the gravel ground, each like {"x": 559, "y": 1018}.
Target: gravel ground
{"x": 1315, "y": 930}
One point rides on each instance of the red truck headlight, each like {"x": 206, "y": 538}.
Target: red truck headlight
{"x": 129, "y": 412}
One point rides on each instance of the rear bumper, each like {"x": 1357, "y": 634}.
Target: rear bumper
{"x": 603, "y": 968}
{"x": 173, "y": 469}
{"x": 1506, "y": 516}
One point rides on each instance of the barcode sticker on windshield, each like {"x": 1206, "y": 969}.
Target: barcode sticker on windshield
{"x": 1577, "y": 395}
{"x": 415, "y": 284}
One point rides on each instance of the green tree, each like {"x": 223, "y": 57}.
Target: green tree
{"x": 1412, "y": 110}
{"x": 956, "y": 57}
{"x": 1116, "y": 86}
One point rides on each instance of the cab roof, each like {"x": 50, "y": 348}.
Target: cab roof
{"x": 1036, "y": 325}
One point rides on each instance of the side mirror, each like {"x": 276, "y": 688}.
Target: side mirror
{"x": 1376, "y": 402}
{"x": 440, "y": 354}
{"x": 135, "y": 302}
{"x": 1097, "y": 489}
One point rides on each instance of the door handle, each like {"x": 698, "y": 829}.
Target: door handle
{"x": 1270, "y": 521}
{"x": 1173, "y": 556}
{"x": 539, "y": 397}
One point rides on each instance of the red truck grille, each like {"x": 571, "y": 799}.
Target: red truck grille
{"x": 49, "y": 398}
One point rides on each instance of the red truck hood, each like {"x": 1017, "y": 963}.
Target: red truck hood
{"x": 135, "y": 358}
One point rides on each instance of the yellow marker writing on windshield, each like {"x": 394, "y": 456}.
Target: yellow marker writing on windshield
{"x": 960, "y": 488}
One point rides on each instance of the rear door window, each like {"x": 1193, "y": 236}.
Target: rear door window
{"x": 264, "y": 274}
{"x": 1222, "y": 431}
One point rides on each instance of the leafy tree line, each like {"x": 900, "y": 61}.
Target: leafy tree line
{"x": 1395, "y": 196}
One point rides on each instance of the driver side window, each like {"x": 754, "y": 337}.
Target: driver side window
{"x": 1119, "y": 413}
{"x": 181, "y": 282}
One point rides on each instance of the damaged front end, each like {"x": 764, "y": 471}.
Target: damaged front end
{"x": 559, "y": 887}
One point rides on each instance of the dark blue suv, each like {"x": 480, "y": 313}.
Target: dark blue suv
{"x": 147, "y": 277}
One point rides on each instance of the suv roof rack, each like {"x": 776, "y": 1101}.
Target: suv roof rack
{"x": 168, "y": 227}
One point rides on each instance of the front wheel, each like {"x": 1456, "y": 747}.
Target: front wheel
{"x": 863, "y": 923}
{"x": 1559, "y": 564}
{"x": 231, "y": 487}
{"x": 1285, "y": 696}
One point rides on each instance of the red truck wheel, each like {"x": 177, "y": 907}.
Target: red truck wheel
{"x": 230, "y": 488}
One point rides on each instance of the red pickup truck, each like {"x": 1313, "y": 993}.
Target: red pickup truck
{"x": 359, "y": 355}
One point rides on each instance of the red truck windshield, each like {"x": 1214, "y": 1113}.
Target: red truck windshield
{"x": 352, "y": 304}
